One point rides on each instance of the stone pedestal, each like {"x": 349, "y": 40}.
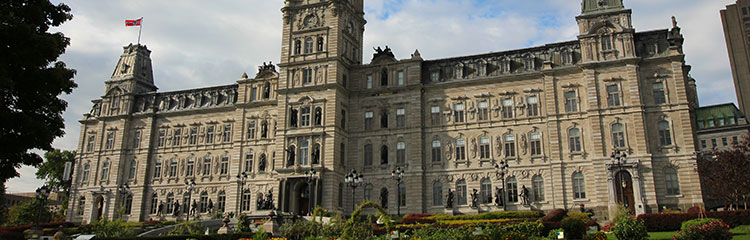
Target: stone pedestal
{"x": 225, "y": 228}
{"x": 272, "y": 227}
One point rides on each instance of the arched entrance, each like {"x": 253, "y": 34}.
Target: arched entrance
{"x": 99, "y": 204}
{"x": 624, "y": 186}
{"x": 302, "y": 198}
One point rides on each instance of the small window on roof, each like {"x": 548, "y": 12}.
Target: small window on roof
{"x": 731, "y": 121}
{"x": 710, "y": 123}
{"x": 721, "y": 122}
{"x": 701, "y": 124}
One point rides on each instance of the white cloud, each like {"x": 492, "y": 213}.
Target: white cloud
{"x": 201, "y": 43}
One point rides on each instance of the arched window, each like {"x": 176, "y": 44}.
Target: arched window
{"x": 461, "y": 192}
{"x": 367, "y": 194}
{"x": 384, "y": 197}
{"x": 673, "y": 184}
{"x": 320, "y": 44}
{"x": 437, "y": 194}
{"x": 267, "y": 91}
{"x": 308, "y": 45}
{"x": 221, "y": 200}
{"x": 154, "y": 203}
{"x": 131, "y": 170}
{"x": 262, "y": 163}
{"x": 105, "y": 170}
{"x": 485, "y": 191}
{"x": 579, "y": 186}
{"x": 264, "y": 130}
{"x": 245, "y": 201}
{"x": 86, "y": 172}
{"x": 384, "y": 119}
{"x": 384, "y": 155}
{"x": 318, "y": 117}
{"x": 204, "y": 202}
{"x": 81, "y": 205}
{"x": 512, "y": 189}
{"x": 315, "y": 154}
{"x": 402, "y": 194}
{"x": 291, "y": 159}
{"x": 384, "y": 77}
{"x": 537, "y": 183}
{"x": 618, "y": 136}
{"x": 168, "y": 204}
{"x": 368, "y": 154}
{"x": 665, "y": 135}
{"x": 297, "y": 47}
{"x": 574, "y": 139}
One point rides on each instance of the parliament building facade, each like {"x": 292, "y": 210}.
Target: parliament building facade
{"x": 554, "y": 114}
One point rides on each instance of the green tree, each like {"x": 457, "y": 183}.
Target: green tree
{"x": 27, "y": 212}
{"x": 53, "y": 169}
{"x": 31, "y": 79}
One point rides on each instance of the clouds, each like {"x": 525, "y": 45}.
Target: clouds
{"x": 207, "y": 43}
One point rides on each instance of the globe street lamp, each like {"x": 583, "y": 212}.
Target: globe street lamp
{"x": 123, "y": 189}
{"x": 354, "y": 179}
{"x": 41, "y": 195}
{"x": 189, "y": 186}
{"x": 311, "y": 177}
{"x": 501, "y": 169}
{"x": 620, "y": 158}
{"x": 398, "y": 175}
{"x": 241, "y": 180}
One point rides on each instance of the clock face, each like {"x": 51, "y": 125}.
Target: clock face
{"x": 310, "y": 21}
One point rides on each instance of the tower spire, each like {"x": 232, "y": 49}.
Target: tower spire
{"x": 600, "y": 6}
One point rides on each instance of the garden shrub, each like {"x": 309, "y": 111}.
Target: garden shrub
{"x": 431, "y": 233}
{"x": 713, "y": 229}
{"x": 528, "y": 229}
{"x": 300, "y": 229}
{"x": 243, "y": 224}
{"x": 187, "y": 228}
{"x": 491, "y": 215}
{"x": 628, "y": 227}
{"x": 660, "y": 222}
{"x": 114, "y": 228}
{"x": 585, "y": 217}
{"x": 595, "y": 236}
{"x": 553, "y": 233}
{"x": 418, "y": 218}
{"x": 574, "y": 227}
{"x": 554, "y": 216}
{"x": 261, "y": 234}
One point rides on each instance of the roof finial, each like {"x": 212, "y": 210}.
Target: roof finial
{"x": 674, "y": 22}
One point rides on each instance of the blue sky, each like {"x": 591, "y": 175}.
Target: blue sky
{"x": 204, "y": 43}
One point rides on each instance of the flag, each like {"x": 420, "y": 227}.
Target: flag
{"x": 130, "y": 23}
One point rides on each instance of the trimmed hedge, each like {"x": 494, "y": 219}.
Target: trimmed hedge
{"x": 233, "y": 236}
{"x": 492, "y": 215}
{"x": 658, "y": 222}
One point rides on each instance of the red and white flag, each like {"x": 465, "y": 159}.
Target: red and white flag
{"x": 130, "y": 23}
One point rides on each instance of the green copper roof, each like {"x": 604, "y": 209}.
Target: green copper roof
{"x": 717, "y": 111}
{"x": 600, "y": 6}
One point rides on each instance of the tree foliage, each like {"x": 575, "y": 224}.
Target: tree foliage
{"x": 27, "y": 213}
{"x": 728, "y": 167}
{"x": 31, "y": 79}
{"x": 53, "y": 168}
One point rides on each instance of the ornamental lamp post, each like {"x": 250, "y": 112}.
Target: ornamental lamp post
{"x": 312, "y": 178}
{"x": 501, "y": 169}
{"x": 123, "y": 189}
{"x": 354, "y": 179}
{"x": 620, "y": 158}
{"x": 398, "y": 175}
{"x": 189, "y": 186}
{"x": 41, "y": 194}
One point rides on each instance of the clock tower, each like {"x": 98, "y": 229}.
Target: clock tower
{"x": 322, "y": 40}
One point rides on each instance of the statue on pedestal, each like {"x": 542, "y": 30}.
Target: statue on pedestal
{"x": 524, "y": 195}
{"x": 449, "y": 201}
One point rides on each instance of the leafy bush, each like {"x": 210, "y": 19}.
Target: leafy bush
{"x": 585, "y": 217}
{"x": 628, "y": 227}
{"x": 261, "y": 234}
{"x": 596, "y": 236}
{"x": 672, "y": 222}
{"x": 115, "y": 228}
{"x": 574, "y": 227}
{"x": 554, "y": 216}
{"x": 243, "y": 224}
{"x": 553, "y": 233}
{"x": 187, "y": 228}
{"x": 300, "y": 229}
{"x": 418, "y": 218}
{"x": 430, "y": 233}
{"x": 491, "y": 215}
{"x": 712, "y": 229}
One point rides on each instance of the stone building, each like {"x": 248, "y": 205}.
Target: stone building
{"x": 736, "y": 22}
{"x": 553, "y": 113}
{"x": 720, "y": 126}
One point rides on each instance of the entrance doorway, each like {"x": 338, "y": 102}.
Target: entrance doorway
{"x": 99, "y": 207}
{"x": 303, "y": 198}
{"x": 624, "y": 186}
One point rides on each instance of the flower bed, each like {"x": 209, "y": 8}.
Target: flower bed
{"x": 672, "y": 222}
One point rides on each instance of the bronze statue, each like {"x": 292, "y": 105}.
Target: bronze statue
{"x": 498, "y": 196}
{"x": 449, "y": 202}
{"x": 160, "y": 208}
{"x": 474, "y": 198}
{"x": 524, "y": 195}
{"x": 176, "y": 206}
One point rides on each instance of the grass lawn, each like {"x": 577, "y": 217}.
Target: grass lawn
{"x": 740, "y": 233}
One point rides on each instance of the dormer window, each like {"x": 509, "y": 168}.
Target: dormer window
{"x": 529, "y": 63}
{"x": 606, "y": 43}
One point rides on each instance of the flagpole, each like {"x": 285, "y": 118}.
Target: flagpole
{"x": 140, "y": 27}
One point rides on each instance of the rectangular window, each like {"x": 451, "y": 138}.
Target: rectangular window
{"x": 435, "y": 76}
{"x": 177, "y": 137}
{"x": 711, "y": 123}
{"x": 704, "y": 145}
{"x": 105, "y": 171}
{"x": 435, "y": 115}
{"x": 193, "y": 139}
{"x": 535, "y": 142}
{"x": 458, "y": 112}
{"x": 90, "y": 144}
{"x": 190, "y": 168}
{"x": 224, "y": 167}
{"x": 253, "y": 94}
{"x": 713, "y": 143}
{"x": 251, "y": 130}
{"x": 137, "y": 139}
{"x": 210, "y": 134}
{"x": 173, "y": 168}
{"x": 110, "y": 143}
{"x": 721, "y": 122}
{"x": 744, "y": 11}
{"x": 613, "y": 95}
{"x": 659, "y": 94}
{"x": 342, "y": 152}
{"x": 400, "y": 117}
{"x": 368, "y": 120}
{"x": 724, "y": 141}
{"x": 606, "y": 43}
{"x": 305, "y": 116}
{"x": 510, "y": 146}
{"x": 731, "y": 120}
{"x": 369, "y": 82}
{"x": 400, "y": 76}
{"x": 507, "y": 108}
{"x": 343, "y": 119}
{"x": 483, "y": 111}
{"x": 207, "y": 166}
{"x": 484, "y": 147}
{"x": 227, "y": 133}
{"x": 249, "y": 162}
{"x": 460, "y": 150}
{"x": 571, "y": 101}
{"x": 401, "y": 152}
{"x": 157, "y": 169}
{"x": 304, "y": 149}
{"x": 162, "y": 137}
{"x": 734, "y": 140}
{"x": 368, "y": 155}
{"x": 532, "y": 106}
{"x": 307, "y": 76}
{"x": 436, "y": 151}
